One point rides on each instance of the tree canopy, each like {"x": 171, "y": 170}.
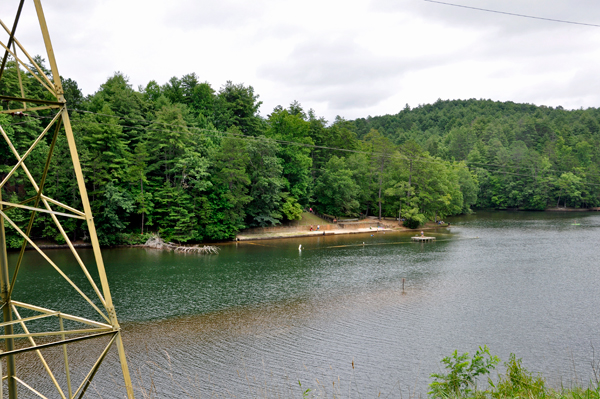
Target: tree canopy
{"x": 193, "y": 163}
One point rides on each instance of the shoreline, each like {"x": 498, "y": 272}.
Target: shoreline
{"x": 268, "y": 236}
{"x": 330, "y": 230}
{"x": 595, "y": 209}
{"x": 278, "y": 232}
{"x": 553, "y": 209}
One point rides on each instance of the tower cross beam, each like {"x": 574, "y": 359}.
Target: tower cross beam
{"x": 12, "y": 35}
{"x": 31, "y": 60}
{"x": 19, "y": 61}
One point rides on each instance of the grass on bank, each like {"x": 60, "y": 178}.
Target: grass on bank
{"x": 308, "y": 219}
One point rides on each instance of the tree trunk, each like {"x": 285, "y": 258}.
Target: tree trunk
{"x": 380, "y": 197}
{"x": 409, "y": 179}
{"x": 142, "y": 189}
{"x": 380, "y": 183}
{"x": 400, "y": 214}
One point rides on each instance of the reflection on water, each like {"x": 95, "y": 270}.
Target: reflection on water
{"x": 260, "y": 316}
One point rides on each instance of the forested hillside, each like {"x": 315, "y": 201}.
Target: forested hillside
{"x": 523, "y": 156}
{"x": 195, "y": 163}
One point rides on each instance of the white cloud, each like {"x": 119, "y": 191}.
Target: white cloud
{"x": 194, "y": 15}
{"x": 352, "y": 58}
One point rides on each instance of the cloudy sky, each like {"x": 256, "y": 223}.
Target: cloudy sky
{"x": 348, "y": 58}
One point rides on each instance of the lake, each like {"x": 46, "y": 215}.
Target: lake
{"x": 261, "y": 316}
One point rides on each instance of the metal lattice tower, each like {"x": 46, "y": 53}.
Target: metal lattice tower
{"x": 17, "y": 337}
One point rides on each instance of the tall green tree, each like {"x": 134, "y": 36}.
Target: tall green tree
{"x": 335, "y": 189}
{"x": 237, "y": 105}
{"x": 224, "y": 208}
{"x": 267, "y": 183}
{"x": 107, "y": 148}
{"x": 381, "y": 150}
{"x": 290, "y": 126}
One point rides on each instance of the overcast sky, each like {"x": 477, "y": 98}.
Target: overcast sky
{"x": 348, "y": 58}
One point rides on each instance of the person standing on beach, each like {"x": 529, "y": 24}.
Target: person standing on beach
{"x": 318, "y": 226}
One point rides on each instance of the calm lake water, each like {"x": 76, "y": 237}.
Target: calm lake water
{"x": 261, "y": 316}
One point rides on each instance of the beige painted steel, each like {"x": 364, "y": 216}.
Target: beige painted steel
{"x": 39, "y": 353}
{"x": 19, "y": 76}
{"x": 66, "y": 357}
{"x": 31, "y": 208}
{"x": 12, "y": 111}
{"x": 27, "y": 68}
{"x": 6, "y": 310}
{"x": 109, "y": 326}
{"x": 63, "y": 315}
{"x": 30, "y": 388}
{"x": 31, "y": 60}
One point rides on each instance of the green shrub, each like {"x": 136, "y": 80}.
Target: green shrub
{"x": 13, "y": 241}
{"x": 411, "y": 223}
{"x": 291, "y": 209}
{"x": 518, "y": 382}
{"x": 462, "y": 373}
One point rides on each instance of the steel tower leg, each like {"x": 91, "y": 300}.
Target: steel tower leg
{"x": 108, "y": 326}
{"x": 6, "y": 311}
{"x": 84, "y": 198}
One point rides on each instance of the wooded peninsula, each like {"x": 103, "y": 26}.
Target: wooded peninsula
{"x": 192, "y": 163}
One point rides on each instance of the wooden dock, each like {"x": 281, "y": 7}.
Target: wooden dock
{"x": 422, "y": 239}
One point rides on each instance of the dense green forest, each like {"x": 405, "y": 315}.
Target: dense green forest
{"x": 195, "y": 163}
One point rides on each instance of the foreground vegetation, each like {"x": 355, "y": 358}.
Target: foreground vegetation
{"x": 464, "y": 372}
{"x": 191, "y": 163}
{"x": 465, "y": 377}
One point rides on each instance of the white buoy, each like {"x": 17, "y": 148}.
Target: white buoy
{"x": 300, "y": 247}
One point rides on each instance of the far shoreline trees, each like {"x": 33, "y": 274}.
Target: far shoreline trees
{"x": 194, "y": 163}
